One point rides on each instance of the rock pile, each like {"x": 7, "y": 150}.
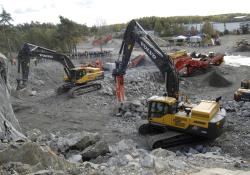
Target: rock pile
{"x": 242, "y": 46}
{"x": 236, "y": 138}
{"x": 131, "y": 109}
{"x": 216, "y": 79}
{"x": 75, "y": 147}
{"x": 127, "y": 159}
{"x": 242, "y": 109}
{"x": 123, "y": 157}
{"x": 141, "y": 84}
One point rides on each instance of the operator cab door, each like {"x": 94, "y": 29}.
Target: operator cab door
{"x": 158, "y": 112}
{"x": 78, "y": 74}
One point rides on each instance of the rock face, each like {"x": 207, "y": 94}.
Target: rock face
{"x": 34, "y": 155}
{"x": 9, "y": 125}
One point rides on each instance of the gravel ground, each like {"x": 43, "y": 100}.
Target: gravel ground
{"x": 94, "y": 112}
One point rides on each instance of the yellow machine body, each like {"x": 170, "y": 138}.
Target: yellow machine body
{"x": 196, "y": 119}
{"x": 177, "y": 54}
{"x": 86, "y": 74}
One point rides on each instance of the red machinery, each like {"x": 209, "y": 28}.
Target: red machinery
{"x": 120, "y": 94}
{"x": 136, "y": 61}
{"x": 217, "y": 60}
{"x": 101, "y": 41}
{"x": 186, "y": 65}
{"x": 97, "y": 64}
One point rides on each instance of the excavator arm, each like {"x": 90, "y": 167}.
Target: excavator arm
{"x": 30, "y": 51}
{"x": 136, "y": 34}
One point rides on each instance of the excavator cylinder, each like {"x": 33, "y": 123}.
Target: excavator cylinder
{"x": 120, "y": 88}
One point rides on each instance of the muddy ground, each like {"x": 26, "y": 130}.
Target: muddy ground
{"x": 95, "y": 111}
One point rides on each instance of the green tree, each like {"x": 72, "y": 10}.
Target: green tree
{"x": 69, "y": 33}
{"x": 158, "y": 27}
{"x": 102, "y": 31}
{"x": 5, "y": 24}
{"x": 208, "y": 29}
{"x": 5, "y": 18}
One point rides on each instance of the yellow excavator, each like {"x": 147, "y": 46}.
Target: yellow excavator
{"x": 243, "y": 93}
{"x": 77, "y": 80}
{"x": 170, "y": 121}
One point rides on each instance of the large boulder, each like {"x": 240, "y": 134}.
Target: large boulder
{"x": 32, "y": 154}
{"x": 159, "y": 152}
{"x": 147, "y": 161}
{"x": 124, "y": 146}
{"x": 92, "y": 152}
{"x": 78, "y": 141}
{"x": 130, "y": 109}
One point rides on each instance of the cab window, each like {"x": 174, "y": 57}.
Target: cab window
{"x": 79, "y": 74}
{"x": 158, "y": 109}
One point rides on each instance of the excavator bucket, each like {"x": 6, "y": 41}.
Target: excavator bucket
{"x": 120, "y": 88}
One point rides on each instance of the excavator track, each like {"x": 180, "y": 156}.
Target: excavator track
{"x": 159, "y": 137}
{"x": 61, "y": 89}
{"x": 80, "y": 90}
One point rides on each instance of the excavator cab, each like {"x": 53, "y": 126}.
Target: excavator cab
{"x": 157, "y": 109}
{"x": 76, "y": 74}
{"x": 160, "y": 106}
{"x": 161, "y": 109}
{"x": 82, "y": 75}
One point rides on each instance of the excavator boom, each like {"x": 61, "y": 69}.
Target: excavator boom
{"x": 136, "y": 34}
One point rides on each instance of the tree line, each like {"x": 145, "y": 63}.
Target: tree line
{"x": 67, "y": 34}
{"x": 62, "y": 37}
{"x": 169, "y": 26}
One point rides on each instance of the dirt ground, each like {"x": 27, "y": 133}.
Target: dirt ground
{"x": 94, "y": 112}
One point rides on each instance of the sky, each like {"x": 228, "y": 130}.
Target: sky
{"x": 96, "y": 12}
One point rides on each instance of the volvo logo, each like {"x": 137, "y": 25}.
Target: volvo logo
{"x": 45, "y": 56}
{"x": 148, "y": 50}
